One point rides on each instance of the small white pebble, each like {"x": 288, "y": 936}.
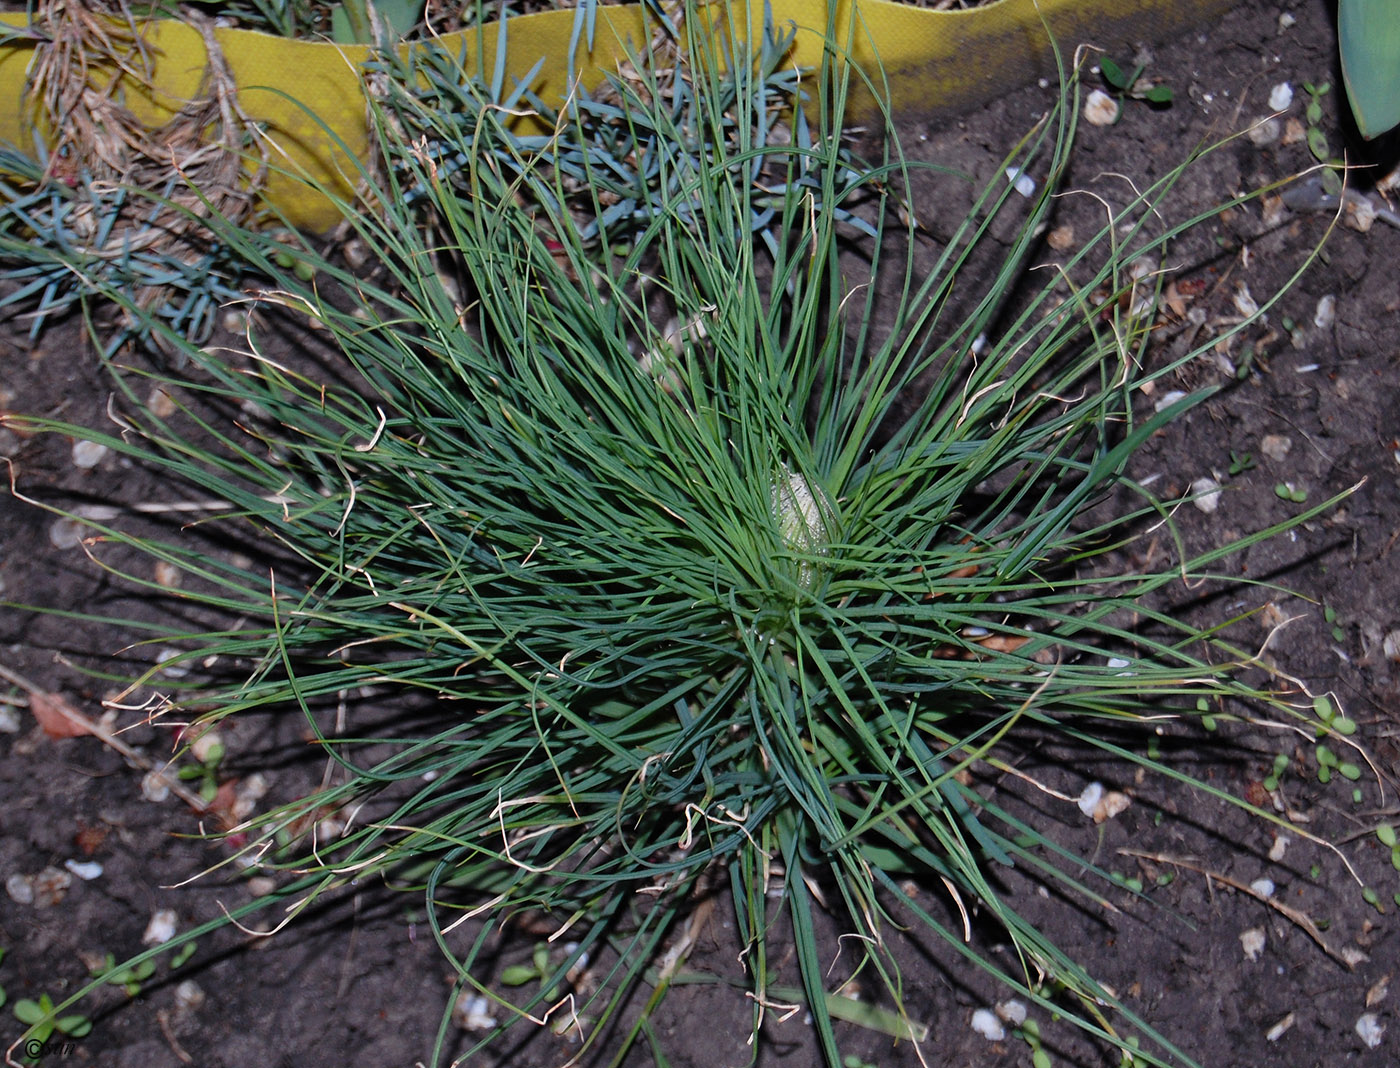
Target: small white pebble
{"x": 167, "y": 575}
{"x": 986, "y": 1024}
{"x": 1370, "y": 1028}
{"x": 1090, "y": 798}
{"x": 88, "y": 454}
{"x": 1205, "y": 494}
{"x": 205, "y": 746}
{"x": 1287, "y": 21}
{"x": 261, "y": 885}
{"x": 1390, "y": 645}
{"x": 173, "y": 671}
{"x": 1168, "y": 399}
{"x": 1280, "y": 97}
{"x": 86, "y": 870}
{"x": 1244, "y": 301}
{"x": 66, "y": 533}
{"x": 1265, "y": 131}
{"x": 160, "y": 402}
{"x": 1263, "y": 887}
{"x": 9, "y": 720}
{"x": 1112, "y": 803}
{"x": 20, "y": 889}
{"x": 473, "y": 1012}
{"x": 1326, "y": 314}
{"x": 189, "y": 996}
{"x": 1013, "y": 1012}
{"x": 1277, "y": 850}
{"x": 1100, "y": 109}
{"x": 1354, "y": 955}
{"x": 1360, "y": 213}
{"x": 155, "y": 786}
{"x": 1275, "y": 446}
{"x": 1022, "y": 182}
{"x": 1252, "y": 942}
{"x": 161, "y": 929}
{"x": 1378, "y": 990}
{"x": 1276, "y": 1032}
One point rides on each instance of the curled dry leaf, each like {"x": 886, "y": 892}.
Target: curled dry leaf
{"x": 56, "y": 716}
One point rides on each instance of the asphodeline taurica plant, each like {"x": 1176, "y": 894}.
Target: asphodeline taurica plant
{"x": 762, "y": 610}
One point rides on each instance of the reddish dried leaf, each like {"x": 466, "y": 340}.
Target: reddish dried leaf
{"x": 89, "y": 839}
{"x": 1003, "y": 643}
{"x": 50, "y": 710}
{"x": 221, "y": 808}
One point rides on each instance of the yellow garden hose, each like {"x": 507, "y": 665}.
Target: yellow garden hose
{"x": 308, "y": 96}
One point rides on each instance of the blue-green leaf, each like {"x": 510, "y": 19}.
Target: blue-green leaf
{"x": 1369, "y": 35}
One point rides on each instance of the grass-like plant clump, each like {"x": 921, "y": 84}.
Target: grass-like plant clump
{"x": 727, "y": 548}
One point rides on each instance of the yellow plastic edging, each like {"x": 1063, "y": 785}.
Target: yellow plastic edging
{"x": 935, "y": 61}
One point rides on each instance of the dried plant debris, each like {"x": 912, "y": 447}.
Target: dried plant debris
{"x": 126, "y": 200}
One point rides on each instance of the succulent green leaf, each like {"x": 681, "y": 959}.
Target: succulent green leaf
{"x": 1368, "y": 33}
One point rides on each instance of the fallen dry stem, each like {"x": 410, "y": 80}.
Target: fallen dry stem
{"x": 102, "y": 734}
{"x": 1297, "y": 916}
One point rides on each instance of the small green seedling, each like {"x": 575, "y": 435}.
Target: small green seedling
{"x": 1129, "y": 1054}
{"x": 1287, "y": 491}
{"x": 1281, "y": 763}
{"x": 1240, "y": 462}
{"x": 1339, "y": 633}
{"x": 1329, "y": 720}
{"x": 1131, "y": 883}
{"x": 1317, "y": 140}
{"x": 206, "y": 771}
{"x": 537, "y": 971}
{"x": 850, "y": 1060}
{"x": 1132, "y": 86}
{"x": 1203, "y": 707}
{"x": 129, "y": 979}
{"x": 2, "y": 989}
{"x": 43, "y": 1021}
{"x": 183, "y": 954}
{"x": 1029, "y": 1032}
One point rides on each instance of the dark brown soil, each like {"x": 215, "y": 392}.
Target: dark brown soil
{"x": 357, "y": 980}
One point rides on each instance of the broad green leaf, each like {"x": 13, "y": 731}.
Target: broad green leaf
{"x": 1369, "y": 35}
